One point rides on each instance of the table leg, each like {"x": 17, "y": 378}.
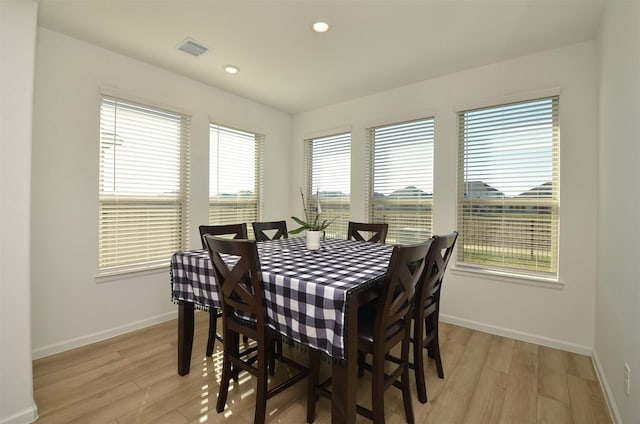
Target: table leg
{"x": 185, "y": 336}
{"x": 344, "y": 378}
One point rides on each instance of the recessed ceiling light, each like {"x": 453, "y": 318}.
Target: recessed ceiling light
{"x": 320, "y": 26}
{"x": 230, "y": 69}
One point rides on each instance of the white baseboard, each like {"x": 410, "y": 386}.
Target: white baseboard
{"x": 614, "y": 413}
{"x": 26, "y": 416}
{"x": 99, "y": 336}
{"x": 518, "y": 335}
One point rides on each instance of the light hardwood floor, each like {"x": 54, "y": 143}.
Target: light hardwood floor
{"x": 488, "y": 379}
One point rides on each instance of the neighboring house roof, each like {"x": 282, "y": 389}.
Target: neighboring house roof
{"x": 479, "y": 189}
{"x": 329, "y": 194}
{"x": 409, "y": 191}
{"x": 543, "y": 190}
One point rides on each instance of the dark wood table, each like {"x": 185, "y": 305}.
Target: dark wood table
{"x": 345, "y": 269}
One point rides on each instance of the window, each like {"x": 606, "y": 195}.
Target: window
{"x": 234, "y": 176}
{"x": 328, "y": 169}
{"x": 143, "y": 186}
{"x": 508, "y": 188}
{"x": 401, "y": 179}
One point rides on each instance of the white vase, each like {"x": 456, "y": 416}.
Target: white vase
{"x": 313, "y": 240}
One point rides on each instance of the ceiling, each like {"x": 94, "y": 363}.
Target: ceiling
{"x": 372, "y": 45}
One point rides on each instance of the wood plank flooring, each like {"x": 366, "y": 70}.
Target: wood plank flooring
{"x": 488, "y": 379}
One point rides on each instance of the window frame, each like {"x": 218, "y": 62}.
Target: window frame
{"x": 257, "y": 201}
{"x": 339, "y": 227}
{"x": 119, "y": 203}
{"x": 403, "y": 132}
{"x": 526, "y": 201}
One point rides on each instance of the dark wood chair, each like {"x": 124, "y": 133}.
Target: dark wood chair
{"x": 362, "y": 231}
{"x": 237, "y": 231}
{"x": 244, "y": 313}
{"x": 280, "y": 228}
{"x": 426, "y": 313}
{"x": 382, "y": 324}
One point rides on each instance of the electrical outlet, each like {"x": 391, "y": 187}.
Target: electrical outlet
{"x": 627, "y": 378}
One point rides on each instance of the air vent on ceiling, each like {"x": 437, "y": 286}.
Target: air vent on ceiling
{"x": 192, "y": 47}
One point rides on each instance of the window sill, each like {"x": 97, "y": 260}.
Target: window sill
{"x": 505, "y": 277}
{"x": 122, "y": 275}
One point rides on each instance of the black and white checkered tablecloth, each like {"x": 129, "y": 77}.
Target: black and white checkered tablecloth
{"x": 305, "y": 290}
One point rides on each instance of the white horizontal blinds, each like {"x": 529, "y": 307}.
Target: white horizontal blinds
{"x": 401, "y": 186}
{"x": 234, "y": 176}
{"x": 329, "y": 181}
{"x": 508, "y": 186}
{"x": 143, "y": 186}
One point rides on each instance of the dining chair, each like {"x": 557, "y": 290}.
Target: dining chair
{"x": 280, "y": 228}
{"x": 237, "y": 231}
{"x": 382, "y": 324}
{"x": 362, "y": 231}
{"x": 245, "y": 313}
{"x": 426, "y": 313}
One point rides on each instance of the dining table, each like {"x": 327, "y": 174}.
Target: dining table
{"x": 312, "y": 298}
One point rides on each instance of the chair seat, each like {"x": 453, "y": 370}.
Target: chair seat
{"x": 430, "y": 306}
{"x": 367, "y": 321}
{"x": 429, "y": 301}
{"x": 249, "y": 322}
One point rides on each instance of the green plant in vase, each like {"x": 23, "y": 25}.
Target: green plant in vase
{"x": 317, "y": 224}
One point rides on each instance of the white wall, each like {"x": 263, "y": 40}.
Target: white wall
{"x": 563, "y": 316}
{"x": 617, "y": 332}
{"x": 17, "y": 53}
{"x": 69, "y": 307}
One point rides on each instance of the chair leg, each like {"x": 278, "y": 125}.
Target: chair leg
{"x": 404, "y": 381}
{"x": 313, "y": 380}
{"x": 377, "y": 388}
{"x": 277, "y": 348}
{"x": 271, "y": 356}
{"x": 213, "y": 321}
{"x": 234, "y": 346}
{"x": 226, "y": 373}
{"x": 362, "y": 357}
{"x": 261, "y": 389}
{"x": 433, "y": 348}
{"x": 418, "y": 359}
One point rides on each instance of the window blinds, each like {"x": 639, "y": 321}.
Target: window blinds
{"x": 401, "y": 179}
{"x": 235, "y": 177}
{"x": 329, "y": 181}
{"x": 508, "y": 187}
{"x": 143, "y": 191}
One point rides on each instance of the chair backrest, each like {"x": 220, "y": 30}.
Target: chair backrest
{"x": 437, "y": 261}
{"x": 237, "y": 231}
{"x": 237, "y": 271}
{"x": 405, "y": 271}
{"x": 377, "y": 233}
{"x": 259, "y": 229}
